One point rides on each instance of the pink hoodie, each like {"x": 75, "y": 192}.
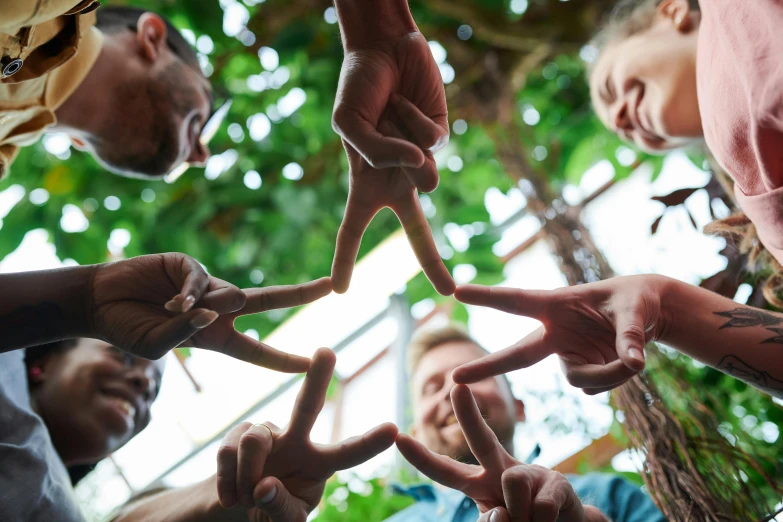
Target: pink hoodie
{"x": 740, "y": 88}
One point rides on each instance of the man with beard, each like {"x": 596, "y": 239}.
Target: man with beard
{"x": 462, "y": 437}
{"x": 121, "y": 82}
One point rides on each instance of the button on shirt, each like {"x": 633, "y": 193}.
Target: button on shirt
{"x": 49, "y": 47}
{"x": 34, "y": 484}
{"x": 618, "y": 500}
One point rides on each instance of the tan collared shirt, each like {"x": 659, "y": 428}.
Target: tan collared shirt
{"x": 57, "y": 44}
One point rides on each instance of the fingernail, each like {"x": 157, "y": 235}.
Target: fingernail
{"x": 493, "y": 517}
{"x": 173, "y": 305}
{"x": 188, "y": 303}
{"x": 269, "y": 497}
{"x": 636, "y": 355}
{"x": 204, "y": 319}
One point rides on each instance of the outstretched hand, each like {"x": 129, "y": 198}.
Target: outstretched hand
{"x": 523, "y": 492}
{"x": 598, "y": 330}
{"x": 370, "y": 191}
{"x": 280, "y": 475}
{"x": 148, "y": 305}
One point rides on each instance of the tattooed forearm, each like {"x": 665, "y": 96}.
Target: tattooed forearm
{"x": 744, "y": 317}
{"x": 31, "y": 325}
{"x": 747, "y": 317}
{"x": 738, "y": 368}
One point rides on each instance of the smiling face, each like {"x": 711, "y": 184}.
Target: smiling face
{"x": 435, "y": 425}
{"x": 94, "y": 398}
{"x": 643, "y": 86}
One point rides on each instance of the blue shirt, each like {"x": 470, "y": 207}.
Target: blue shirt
{"x": 618, "y": 500}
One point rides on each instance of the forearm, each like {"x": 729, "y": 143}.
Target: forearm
{"x": 593, "y": 514}
{"x": 197, "y": 503}
{"x": 367, "y": 21}
{"x": 44, "y": 306}
{"x": 739, "y": 340}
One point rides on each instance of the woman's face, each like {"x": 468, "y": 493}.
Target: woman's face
{"x": 644, "y": 87}
{"x": 95, "y": 398}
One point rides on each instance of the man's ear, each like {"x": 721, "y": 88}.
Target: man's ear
{"x": 680, "y": 14}
{"x": 519, "y": 410}
{"x": 151, "y": 34}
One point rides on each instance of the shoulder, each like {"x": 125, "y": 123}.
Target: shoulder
{"x": 24, "y": 13}
{"x": 616, "y": 497}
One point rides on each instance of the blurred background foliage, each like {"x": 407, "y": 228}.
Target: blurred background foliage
{"x": 267, "y": 208}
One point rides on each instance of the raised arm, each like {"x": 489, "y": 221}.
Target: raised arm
{"x": 599, "y": 331}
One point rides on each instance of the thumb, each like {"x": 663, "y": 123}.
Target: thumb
{"x": 630, "y": 339}
{"x": 271, "y": 497}
{"x": 498, "y": 514}
{"x": 174, "y": 332}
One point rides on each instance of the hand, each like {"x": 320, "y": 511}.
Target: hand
{"x": 148, "y": 305}
{"x": 280, "y": 475}
{"x": 373, "y": 72}
{"x": 372, "y": 190}
{"x": 528, "y": 493}
{"x": 598, "y": 330}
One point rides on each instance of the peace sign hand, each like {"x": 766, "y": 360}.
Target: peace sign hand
{"x": 280, "y": 475}
{"x": 221, "y": 336}
{"x": 370, "y": 191}
{"x": 528, "y": 493}
{"x": 598, "y": 330}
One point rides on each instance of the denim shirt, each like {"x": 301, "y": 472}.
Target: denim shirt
{"x": 618, "y": 500}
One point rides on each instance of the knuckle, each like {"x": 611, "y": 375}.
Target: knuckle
{"x": 546, "y": 508}
{"x": 226, "y": 453}
{"x": 254, "y": 439}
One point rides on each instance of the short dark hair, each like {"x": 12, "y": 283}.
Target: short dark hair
{"x": 116, "y": 18}
{"x": 34, "y": 354}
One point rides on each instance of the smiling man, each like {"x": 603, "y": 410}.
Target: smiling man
{"x": 440, "y": 429}
{"x": 120, "y": 81}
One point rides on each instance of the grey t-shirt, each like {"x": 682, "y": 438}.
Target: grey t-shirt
{"x": 34, "y": 484}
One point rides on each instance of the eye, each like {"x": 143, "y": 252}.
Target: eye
{"x": 429, "y": 388}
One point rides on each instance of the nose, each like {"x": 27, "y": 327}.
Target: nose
{"x": 199, "y": 155}
{"x": 142, "y": 383}
{"x": 619, "y": 117}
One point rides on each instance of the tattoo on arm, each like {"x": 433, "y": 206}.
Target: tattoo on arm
{"x": 31, "y": 325}
{"x": 747, "y": 317}
{"x": 738, "y": 368}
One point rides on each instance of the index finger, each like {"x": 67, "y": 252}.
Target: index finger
{"x": 273, "y": 297}
{"x": 532, "y": 349}
{"x": 481, "y": 439}
{"x": 442, "y": 470}
{"x": 310, "y": 400}
{"x": 530, "y": 303}
{"x": 240, "y": 346}
{"x": 420, "y": 237}
{"x": 357, "y": 218}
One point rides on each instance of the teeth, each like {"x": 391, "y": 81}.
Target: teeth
{"x": 124, "y": 405}
{"x": 451, "y": 419}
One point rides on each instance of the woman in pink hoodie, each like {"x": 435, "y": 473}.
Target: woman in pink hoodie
{"x": 672, "y": 73}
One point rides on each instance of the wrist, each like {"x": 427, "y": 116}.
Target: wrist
{"x": 670, "y": 296}
{"x": 364, "y": 22}
{"x": 82, "y": 301}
